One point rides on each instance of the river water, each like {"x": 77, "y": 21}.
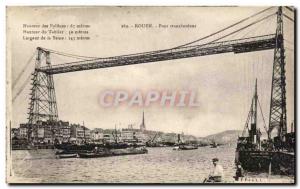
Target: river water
{"x": 160, "y": 165}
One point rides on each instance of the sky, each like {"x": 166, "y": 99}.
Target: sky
{"x": 224, "y": 83}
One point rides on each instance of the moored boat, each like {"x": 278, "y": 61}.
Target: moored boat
{"x": 113, "y": 152}
{"x": 129, "y": 151}
{"x": 63, "y": 156}
{"x": 94, "y": 154}
{"x": 270, "y": 155}
{"x": 187, "y": 147}
{"x": 214, "y": 145}
{"x": 176, "y": 148}
{"x": 249, "y": 152}
{"x": 184, "y": 146}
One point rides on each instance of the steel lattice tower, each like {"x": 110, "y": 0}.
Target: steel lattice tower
{"x": 42, "y": 106}
{"x": 278, "y": 92}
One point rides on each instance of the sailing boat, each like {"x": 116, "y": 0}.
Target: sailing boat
{"x": 249, "y": 152}
{"x": 117, "y": 143}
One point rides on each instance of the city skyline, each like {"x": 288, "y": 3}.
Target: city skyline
{"x": 119, "y": 126}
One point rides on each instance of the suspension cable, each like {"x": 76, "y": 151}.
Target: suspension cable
{"x": 22, "y": 88}
{"x": 22, "y": 71}
{"x": 243, "y": 20}
{"x": 159, "y": 51}
{"x": 288, "y": 17}
{"x": 23, "y": 85}
{"x": 289, "y": 8}
{"x": 254, "y": 29}
{"x": 268, "y": 16}
{"x": 70, "y": 55}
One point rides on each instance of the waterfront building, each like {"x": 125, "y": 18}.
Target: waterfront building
{"x": 50, "y": 132}
{"x": 128, "y": 135}
{"x": 15, "y": 133}
{"x": 41, "y": 134}
{"x": 97, "y": 135}
{"x": 80, "y": 133}
{"x": 64, "y": 131}
{"x": 47, "y": 132}
{"x": 133, "y": 135}
{"x": 108, "y": 138}
{"x": 23, "y": 131}
{"x": 87, "y": 133}
{"x": 111, "y": 136}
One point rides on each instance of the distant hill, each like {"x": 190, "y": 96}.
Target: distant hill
{"x": 225, "y": 137}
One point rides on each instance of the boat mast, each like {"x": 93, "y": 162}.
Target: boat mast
{"x": 255, "y": 106}
{"x": 253, "y": 123}
{"x": 178, "y": 138}
{"x": 116, "y": 133}
{"x": 84, "y": 132}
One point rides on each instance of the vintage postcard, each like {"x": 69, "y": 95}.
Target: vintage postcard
{"x": 192, "y": 95}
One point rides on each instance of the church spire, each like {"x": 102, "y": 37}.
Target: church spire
{"x": 143, "y": 126}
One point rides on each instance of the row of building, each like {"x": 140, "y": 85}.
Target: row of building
{"x": 49, "y": 132}
{"x": 62, "y": 132}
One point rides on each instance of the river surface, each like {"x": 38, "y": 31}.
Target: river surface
{"x": 160, "y": 165}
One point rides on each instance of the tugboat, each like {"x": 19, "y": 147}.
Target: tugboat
{"x": 213, "y": 145}
{"x": 184, "y": 146}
